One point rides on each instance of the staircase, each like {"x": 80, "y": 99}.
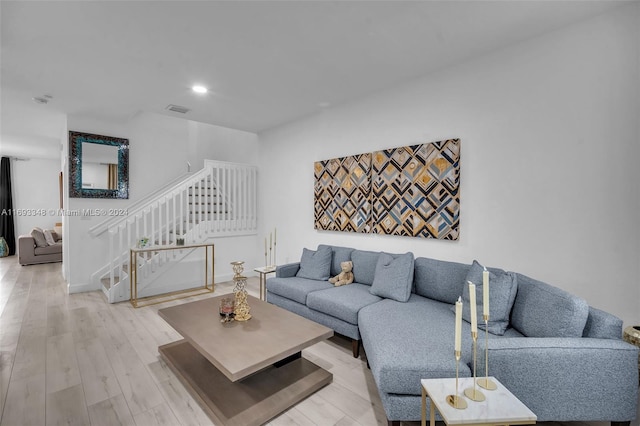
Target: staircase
{"x": 219, "y": 200}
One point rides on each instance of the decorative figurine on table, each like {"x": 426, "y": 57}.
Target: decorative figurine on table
{"x": 241, "y": 311}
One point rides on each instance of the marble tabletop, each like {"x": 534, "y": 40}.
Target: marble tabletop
{"x": 499, "y": 407}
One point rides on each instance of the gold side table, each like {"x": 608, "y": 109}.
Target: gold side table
{"x": 264, "y": 271}
{"x": 152, "y": 300}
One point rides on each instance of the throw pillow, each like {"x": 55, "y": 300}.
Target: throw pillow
{"x": 48, "y": 236}
{"x": 393, "y": 277}
{"x": 315, "y": 265}
{"x": 38, "y": 237}
{"x": 502, "y": 293}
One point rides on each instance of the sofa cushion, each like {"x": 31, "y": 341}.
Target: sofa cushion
{"x": 315, "y": 265}
{"x": 439, "y": 280}
{"x": 541, "y": 310}
{"x": 339, "y": 255}
{"x": 49, "y": 238}
{"x": 38, "y": 237}
{"x": 364, "y": 265}
{"x": 393, "y": 276}
{"x": 52, "y": 249}
{"x": 502, "y": 293}
{"x": 342, "y": 302}
{"x": 295, "y": 288}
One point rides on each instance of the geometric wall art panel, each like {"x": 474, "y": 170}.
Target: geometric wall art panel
{"x": 415, "y": 190}
{"x": 342, "y": 194}
{"x": 409, "y": 191}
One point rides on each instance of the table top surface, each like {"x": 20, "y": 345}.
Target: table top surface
{"x": 241, "y": 348}
{"x": 265, "y": 269}
{"x": 500, "y": 405}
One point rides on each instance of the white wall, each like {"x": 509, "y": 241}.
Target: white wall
{"x": 550, "y": 143}
{"x": 36, "y": 194}
{"x": 158, "y": 153}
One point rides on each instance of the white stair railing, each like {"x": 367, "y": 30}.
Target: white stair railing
{"x": 219, "y": 200}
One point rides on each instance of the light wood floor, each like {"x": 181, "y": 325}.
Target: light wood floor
{"x": 77, "y": 360}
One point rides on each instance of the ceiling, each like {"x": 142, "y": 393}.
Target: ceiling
{"x": 265, "y": 62}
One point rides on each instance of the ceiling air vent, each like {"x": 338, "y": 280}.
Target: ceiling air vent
{"x": 177, "y": 108}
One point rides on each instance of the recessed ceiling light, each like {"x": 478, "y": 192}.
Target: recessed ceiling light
{"x": 199, "y": 89}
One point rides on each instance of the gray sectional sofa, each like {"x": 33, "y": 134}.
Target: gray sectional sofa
{"x": 564, "y": 359}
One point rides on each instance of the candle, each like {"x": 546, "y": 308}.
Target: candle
{"x": 265, "y": 246}
{"x": 270, "y": 240}
{"x": 485, "y": 292}
{"x": 458, "y": 343}
{"x": 275, "y": 231}
{"x": 472, "y": 305}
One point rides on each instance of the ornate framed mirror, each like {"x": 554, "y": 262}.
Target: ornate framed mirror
{"x": 98, "y": 166}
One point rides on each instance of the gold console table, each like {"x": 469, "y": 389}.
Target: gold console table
{"x": 152, "y": 300}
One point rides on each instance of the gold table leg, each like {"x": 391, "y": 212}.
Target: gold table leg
{"x": 432, "y": 414}
{"x": 424, "y": 407}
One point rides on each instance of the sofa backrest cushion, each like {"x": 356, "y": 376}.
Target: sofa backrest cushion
{"x": 315, "y": 265}
{"x": 541, "y": 310}
{"x": 394, "y": 276}
{"x": 438, "y": 279}
{"x": 602, "y": 325}
{"x": 364, "y": 266}
{"x": 38, "y": 237}
{"x": 48, "y": 236}
{"x": 503, "y": 287}
{"x": 339, "y": 255}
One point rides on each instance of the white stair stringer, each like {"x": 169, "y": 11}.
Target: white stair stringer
{"x": 219, "y": 200}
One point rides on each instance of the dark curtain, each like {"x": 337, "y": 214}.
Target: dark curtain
{"x": 7, "y": 229}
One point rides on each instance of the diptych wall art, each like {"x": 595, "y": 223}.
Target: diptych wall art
{"x": 343, "y": 194}
{"x": 410, "y": 191}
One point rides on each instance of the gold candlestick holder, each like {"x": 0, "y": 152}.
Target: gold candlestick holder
{"x": 473, "y": 393}
{"x": 486, "y": 383}
{"x": 273, "y": 263}
{"x": 456, "y": 400}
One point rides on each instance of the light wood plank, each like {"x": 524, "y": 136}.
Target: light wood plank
{"x": 111, "y": 412}
{"x": 67, "y": 407}
{"x": 136, "y": 384}
{"x": 82, "y": 323}
{"x": 98, "y": 379}
{"x": 157, "y": 416}
{"x": 62, "y": 366}
{"x": 25, "y": 403}
{"x": 292, "y": 417}
{"x": 30, "y": 358}
{"x": 58, "y": 320}
{"x": 183, "y": 406}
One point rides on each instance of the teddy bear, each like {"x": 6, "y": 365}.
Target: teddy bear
{"x": 344, "y": 277}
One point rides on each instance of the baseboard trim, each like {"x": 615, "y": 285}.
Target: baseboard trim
{"x": 81, "y": 288}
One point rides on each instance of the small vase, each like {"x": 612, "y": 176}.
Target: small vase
{"x": 4, "y": 247}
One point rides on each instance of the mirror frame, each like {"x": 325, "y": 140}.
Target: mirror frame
{"x": 75, "y": 166}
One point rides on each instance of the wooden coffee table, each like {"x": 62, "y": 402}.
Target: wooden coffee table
{"x": 244, "y": 373}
